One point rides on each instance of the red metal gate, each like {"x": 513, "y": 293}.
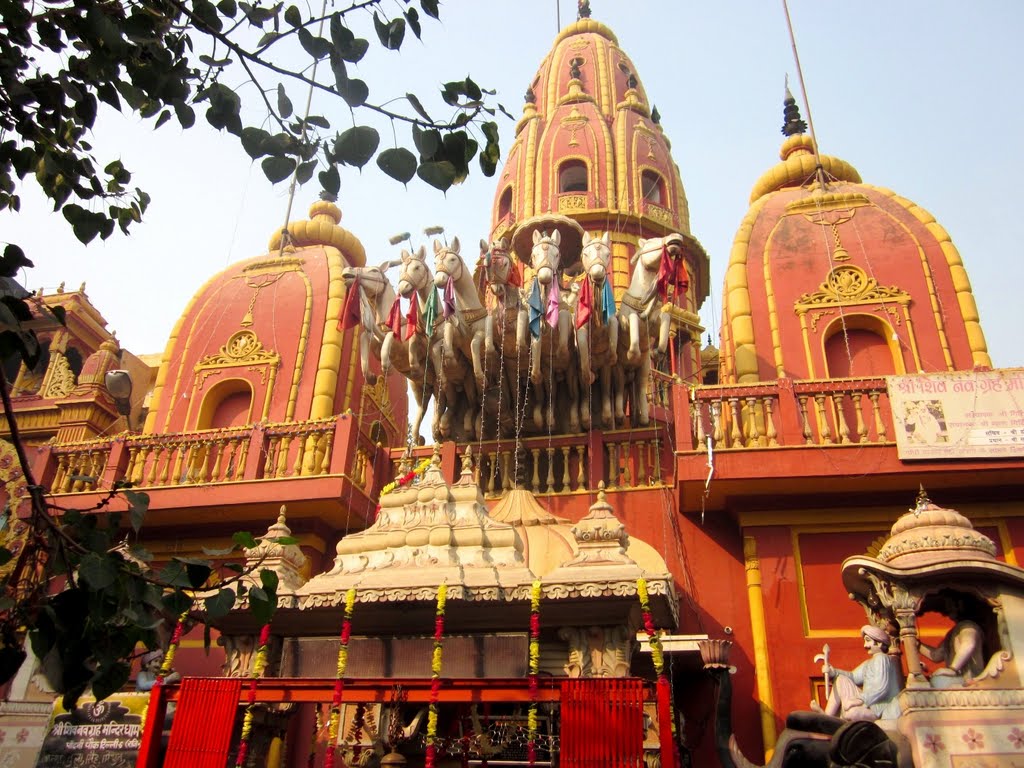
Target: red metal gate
{"x": 602, "y": 723}
{"x": 205, "y": 716}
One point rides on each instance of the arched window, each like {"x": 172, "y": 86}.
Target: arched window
{"x": 227, "y": 404}
{"x": 861, "y": 348}
{"x": 652, "y": 187}
{"x": 505, "y": 203}
{"x": 572, "y": 176}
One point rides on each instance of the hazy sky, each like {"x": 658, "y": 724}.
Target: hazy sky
{"x": 920, "y": 97}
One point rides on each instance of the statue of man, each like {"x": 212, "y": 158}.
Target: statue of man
{"x": 961, "y": 654}
{"x": 151, "y": 663}
{"x": 868, "y": 692}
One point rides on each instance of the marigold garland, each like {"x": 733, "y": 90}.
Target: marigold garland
{"x": 259, "y": 664}
{"x": 657, "y": 653}
{"x": 404, "y": 480}
{"x": 172, "y": 648}
{"x": 339, "y": 682}
{"x": 435, "y": 676}
{"x": 531, "y": 721}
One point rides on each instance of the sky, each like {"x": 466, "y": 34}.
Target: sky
{"x": 920, "y": 97}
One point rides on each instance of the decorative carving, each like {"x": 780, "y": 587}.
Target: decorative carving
{"x": 658, "y": 213}
{"x": 572, "y": 202}
{"x": 241, "y": 348}
{"x": 600, "y": 535}
{"x": 286, "y": 560}
{"x": 849, "y": 284}
{"x": 60, "y": 379}
{"x": 598, "y": 651}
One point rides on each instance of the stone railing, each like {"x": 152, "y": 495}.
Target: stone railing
{"x": 790, "y": 413}
{"x": 261, "y": 452}
{"x": 622, "y": 459}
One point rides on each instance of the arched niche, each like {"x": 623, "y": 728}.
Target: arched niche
{"x": 572, "y": 176}
{"x": 859, "y": 345}
{"x": 228, "y": 403}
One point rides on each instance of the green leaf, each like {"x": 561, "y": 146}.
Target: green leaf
{"x": 356, "y": 145}
{"x": 305, "y": 171}
{"x": 391, "y": 33}
{"x": 197, "y": 574}
{"x": 270, "y": 580}
{"x": 254, "y": 142}
{"x": 12, "y": 261}
{"x": 5, "y": 556}
{"x": 174, "y": 574}
{"x": 316, "y": 47}
{"x": 427, "y": 142}
{"x": 430, "y": 8}
{"x": 220, "y": 604}
{"x": 186, "y": 115}
{"x": 138, "y": 504}
{"x": 85, "y": 224}
{"x": 228, "y": 7}
{"x": 440, "y": 175}
{"x": 262, "y": 605}
{"x": 278, "y": 168}
{"x": 140, "y": 553}
{"x": 354, "y": 92}
{"x": 110, "y": 680}
{"x": 318, "y": 121}
{"x": 293, "y": 16}
{"x": 284, "y": 104}
{"x": 414, "y": 22}
{"x": 243, "y": 539}
{"x": 415, "y": 102}
{"x": 398, "y": 163}
{"x": 330, "y": 180}
{"x": 177, "y": 602}
{"x": 98, "y": 571}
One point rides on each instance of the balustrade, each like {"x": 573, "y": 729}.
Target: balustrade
{"x": 834, "y": 412}
{"x": 79, "y": 468}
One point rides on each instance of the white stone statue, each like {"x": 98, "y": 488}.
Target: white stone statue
{"x": 870, "y": 691}
{"x": 597, "y": 332}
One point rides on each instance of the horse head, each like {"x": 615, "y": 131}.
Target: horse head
{"x": 545, "y": 257}
{"x": 649, "y": 252}
{"x": 498, "y": 267}
{"x": 596, "y": 257}
{"x": 448, "y": 263}
{"x": 372, "y": 280}
{"x": 415, "y": 274}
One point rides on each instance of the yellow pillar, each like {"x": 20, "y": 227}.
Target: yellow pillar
{"x": 275, "y": 752}
{"x": 757, "y": 625}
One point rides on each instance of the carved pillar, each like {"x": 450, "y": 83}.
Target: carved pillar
{"x": 905, "y": 607}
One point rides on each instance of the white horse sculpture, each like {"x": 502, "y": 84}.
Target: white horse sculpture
{"x": 466, "y": 330}
{"x": 640, "y": 311}
{"x": 376, "y": 297}
{"x": 414, "y": 283}
{"x": 597, "y": 336}
{"x": 551, "y": 348}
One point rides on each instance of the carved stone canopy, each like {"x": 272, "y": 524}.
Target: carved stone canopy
{"x": 287, "y": 560}
{"x": 929, "y": 545}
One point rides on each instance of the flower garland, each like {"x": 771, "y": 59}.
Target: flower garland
{"x": 435, "y": 676}
{"x": 339, "y": 681}
{"x": 172, "y": 648}
{"x": 531, "y": 722}
{"x": 658, "y": 657}
{"x": 258, "y": 665}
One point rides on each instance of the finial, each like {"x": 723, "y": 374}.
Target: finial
{"x": 81, "y": 288}
{"x": 600, "y": 492}
{"x": 631, "y": 81}
{"x": 60, "y": 288}
{"x": 574, "y": 68}
{"x": 583, "y": 10}
{"x": 792, "y": 123}
{"x": 530, "y": 97}
{"x": 655, "y": 115}
{"x": 435, "y": 460}
{"x": 467, "y": 460}
{"x": 328, "y": 197}
{"x": 922, "y": 501}
{"x": 281, "y": 518}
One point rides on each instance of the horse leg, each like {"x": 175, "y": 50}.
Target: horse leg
{"x": 537, "y": 379}
{"x": 643, "y": 405}
{"x": 472, "y": 409}
{"x": 633, "y": 355}
{"x": 588, "y": 375}
{"x": 475, "y": 346}
{"x": 664, "y": 327}
{"x": 618, "y": 387}
{"x": 364, "y": 357}
{"x": 422, "y": 396}
{"x": 385, "y": 353}
{"x": 606, "y": 397}
{"x": 572, "y": 381}
{"x": 613, "y": 340}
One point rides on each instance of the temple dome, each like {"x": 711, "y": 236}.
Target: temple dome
{"x": 829, "y": 277}
{"x": 931, "y": 535}
{"x": 260, "y": 340}
{"x": 590, "y": 146}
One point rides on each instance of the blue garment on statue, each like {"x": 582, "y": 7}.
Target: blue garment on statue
{"x": 536, "y": 305}
{"x": 607, "y": 302}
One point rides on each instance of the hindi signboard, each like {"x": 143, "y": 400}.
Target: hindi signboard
{"x": 103, "y": 733}
{"x": 958, "y": 415}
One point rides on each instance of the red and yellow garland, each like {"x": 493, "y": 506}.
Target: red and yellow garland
{"x": 531, "y": 722}
{"x": 172, "y": 648}
{"x": 664, "y": 686}
{"x": 404, "y": 480}
{"x": 435, "y": 676}
{"x": 339, "y": 681}
{"x": 258, "y": 665}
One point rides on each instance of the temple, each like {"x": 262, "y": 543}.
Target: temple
{"x": 620, "y": 543}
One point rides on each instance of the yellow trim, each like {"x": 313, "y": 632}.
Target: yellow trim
{"x": 805, "y": 333}
{"x": 325, "y": 385}
{"x": 216, "y": 394}
{"x": 773, "y": 310}
{"x": 961, "y": 283}
{"x": 300, "y": 355}
{"x": 605, "y": 77}
{"x": 759, "y": 629}
{"x": 861, "y": 321}
{"x": 529, "y": 170}
{"x": 741, "y": 354}
{"x": 1006, "y": 542}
